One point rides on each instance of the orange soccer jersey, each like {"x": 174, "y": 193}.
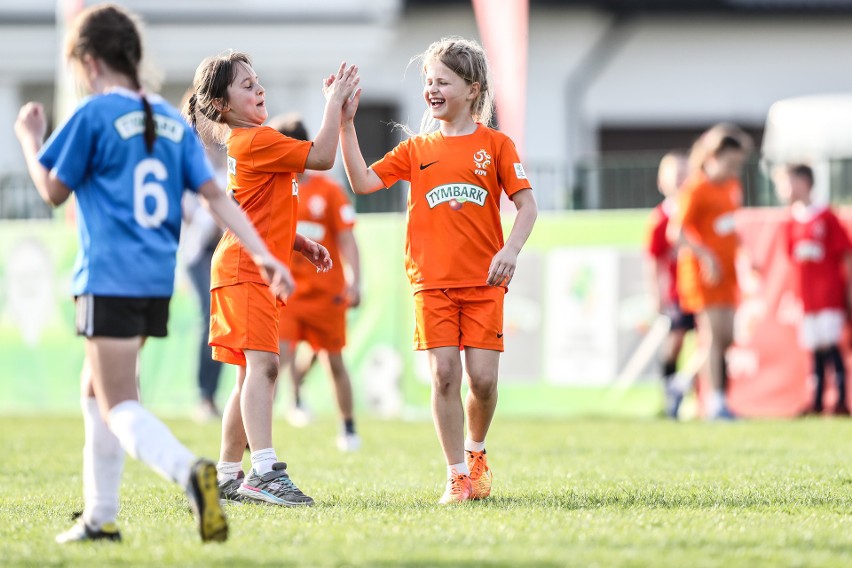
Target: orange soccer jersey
{"x": 454, "y": 227}
{"x": 324, "y": 212}
{"x": 262, "y": 164}
{"x": 316, "y": 311}
{"x": 262, "y": 167}
{"x": 706, "y": 214}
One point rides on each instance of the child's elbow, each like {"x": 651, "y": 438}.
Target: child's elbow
{"x": 323, "y": 162}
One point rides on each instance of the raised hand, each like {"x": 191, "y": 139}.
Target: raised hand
{"x": 31, "y": 123}
{"x": 350, "y": 107}
{"x": 340, "y": 86}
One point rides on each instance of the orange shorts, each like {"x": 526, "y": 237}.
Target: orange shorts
{"x": 323, "y": 326}
{"x": 242, "y": 316}
{"x": 459, "y": 317}
{"x": 696, "y": 295}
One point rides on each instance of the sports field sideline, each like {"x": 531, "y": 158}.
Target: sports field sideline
{"x": 575, "y": 493}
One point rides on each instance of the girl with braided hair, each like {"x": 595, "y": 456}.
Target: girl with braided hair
{"x": 128, "y": 157}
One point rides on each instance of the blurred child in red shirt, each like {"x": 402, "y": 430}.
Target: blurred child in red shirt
{"x": 821, "y": 255}
{"x": 662, "y": 256}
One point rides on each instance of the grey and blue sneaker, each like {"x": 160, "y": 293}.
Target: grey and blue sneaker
{"x": 229, "y": 490}
{"x": 81, "y": 532}
{"x": 274, "y": 487}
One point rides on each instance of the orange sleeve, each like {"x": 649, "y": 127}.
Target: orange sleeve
{"x": 273, "y": 152}
{"x": 510, "y": 171}
{"x": 395, "y": 165}
{"x": 689, "y": 209}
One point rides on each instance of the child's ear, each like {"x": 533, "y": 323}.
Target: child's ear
{"x": 220, "y": 105}
{"x": 474, "y": 91}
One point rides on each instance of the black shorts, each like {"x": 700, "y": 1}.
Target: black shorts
{"x": 681, "y": 320}
{"x": 112, "y": 316}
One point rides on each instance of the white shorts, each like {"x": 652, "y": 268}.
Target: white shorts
{"x": 821, "y": 329}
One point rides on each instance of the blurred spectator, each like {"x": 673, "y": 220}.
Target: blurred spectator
{"x": 820, "y": 251}
{"x": 316, "y": 312}
{"x": 200, "y": 237}
{"x": 662, "y": 256}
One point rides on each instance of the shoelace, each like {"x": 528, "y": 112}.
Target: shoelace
{"x": 285, "y": 480}
{"x": 456, "y": 483}
{"x": 477, "y": 466}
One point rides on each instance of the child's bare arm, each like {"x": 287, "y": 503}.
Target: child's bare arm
{"x": 503, "y": 265}
{"x": 337, "y": 89}
{"x": 361, "y": 178}
{"x": 30, "y": 128}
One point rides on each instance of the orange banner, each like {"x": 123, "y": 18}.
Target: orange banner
{"x": 504, "y": 28}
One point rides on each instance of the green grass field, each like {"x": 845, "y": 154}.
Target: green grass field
{"x": 568, "y": 493}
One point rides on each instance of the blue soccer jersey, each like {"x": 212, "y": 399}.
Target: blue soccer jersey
{"x": 128, "y": 200}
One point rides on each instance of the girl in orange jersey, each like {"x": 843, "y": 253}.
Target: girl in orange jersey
{"x": 262, "y": 167}
{"x": 456, "y": 259}
{"x": 705, "y": 230}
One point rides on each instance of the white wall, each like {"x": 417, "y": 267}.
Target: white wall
{"x": 667, "y": 71}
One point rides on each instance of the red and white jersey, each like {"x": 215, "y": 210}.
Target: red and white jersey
{"x": 817, "y": 243}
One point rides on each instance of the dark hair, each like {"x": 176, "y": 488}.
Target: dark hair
{"x": 290, "y": 125}
{"x": 211, "y": 82}
{"x": 728, "y": 143}
{"x": 111, "y": 33}
{"x": 802, "y": 171}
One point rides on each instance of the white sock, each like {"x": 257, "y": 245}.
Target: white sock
{"x": 103, "y": 462}
{"x": 227, "y": 471}
{"x": 471, "y": 446}
{"x": 459, "y": 468}
{"x": 150, "y": 441}
{"x": 716, "y": 402}
{"x": 262, "y": 460}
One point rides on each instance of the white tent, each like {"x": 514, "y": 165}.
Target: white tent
{"x": 813, "y": 130}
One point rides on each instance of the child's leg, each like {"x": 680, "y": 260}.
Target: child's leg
{"x": 482, "y": 367}
{"x": 336, "y": 368}
{"x": 287, "y": 365}
{"x": 141, "y": 434}
{"x": 671, "y": 351}
{"x": 447, "y": 410}
{"x": 256, "y": 406}
{"x": 836, "y": 357}
{"x": 233, "y": 432}
{"x": 103, "y": 459}
{"x": 819, "y": 358}
{"x": 718, "y": 322}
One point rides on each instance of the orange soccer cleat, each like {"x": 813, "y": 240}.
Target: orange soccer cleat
{"x": 480, "y": 474}
{"x": 458, "y": 489}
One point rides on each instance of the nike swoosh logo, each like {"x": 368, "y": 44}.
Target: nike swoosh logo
{"x": 423, "y": 167}
{"x": 499, "y": 336}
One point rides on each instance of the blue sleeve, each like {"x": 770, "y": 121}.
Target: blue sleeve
{"x": 197, "y": 168}
{"x": 70, "y": 148}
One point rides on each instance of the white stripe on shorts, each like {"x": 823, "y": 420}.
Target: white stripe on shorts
{"x": 85, "y": 314}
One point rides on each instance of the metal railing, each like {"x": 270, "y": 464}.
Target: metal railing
{"x": 617, "y": 181}
{"x": 629, "y": 181}
{"x": 20, "y": 200}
